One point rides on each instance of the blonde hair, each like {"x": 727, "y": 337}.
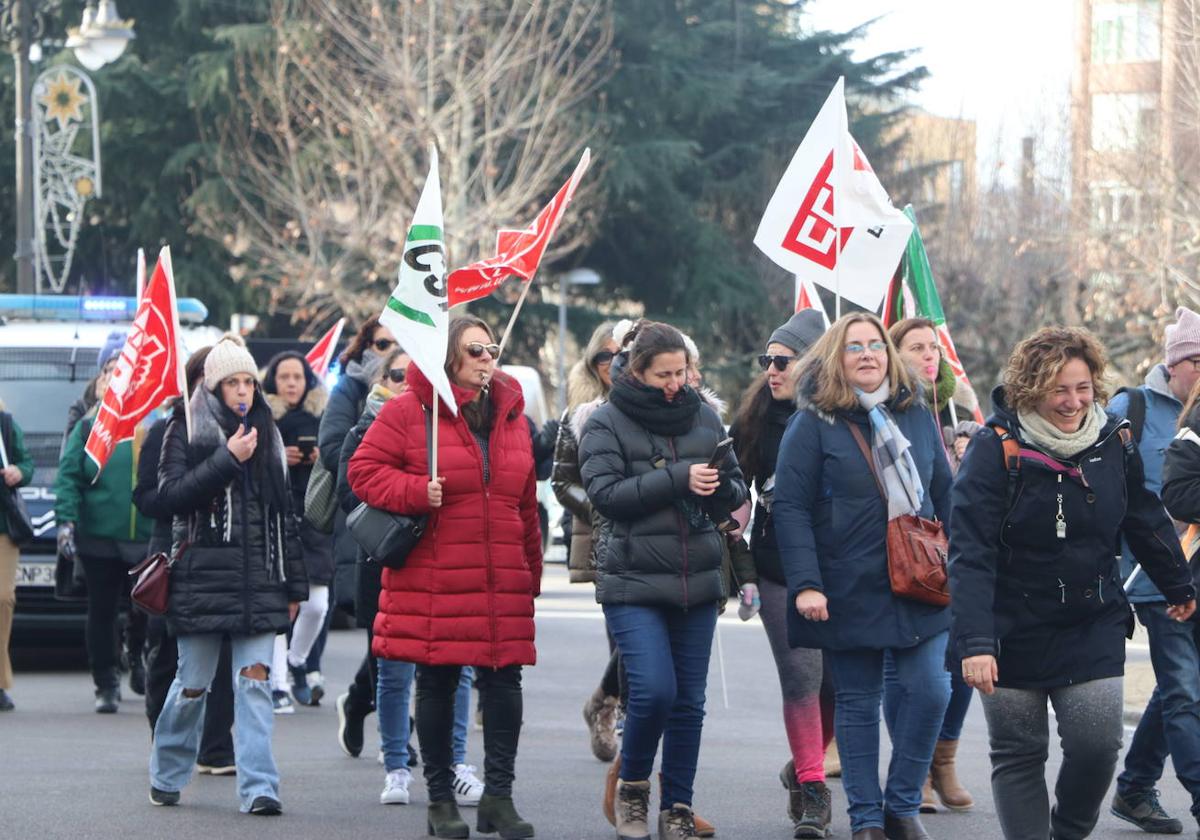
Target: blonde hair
{"x": 823, "y": 363}
{"x": 1036, "y": 362}
{"x": 584, "y": 383}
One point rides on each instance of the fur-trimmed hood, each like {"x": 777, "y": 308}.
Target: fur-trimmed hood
{"x": 712, "y": 400}
{"x": 582, "y": 414}
{"x": 314, "y": 402}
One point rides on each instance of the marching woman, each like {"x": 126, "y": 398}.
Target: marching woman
{"x": 1043, "y": 495}
{"x": 856, "y": 399}
{"x": 916, "y": 339}
{"x": 297, "y": 399}
{"x": 465, "y": 593}
{"x": 766, "y": 407}
{"x": 643, "y": 458}
{"x": 240, "y": 575}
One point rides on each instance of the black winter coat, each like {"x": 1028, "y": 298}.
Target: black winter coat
{"x": 145, "y": 494}
{"x": 659, "y": 548}
{"x": 295, "y": 423}
{"x": 763, "y": 546}
{"x": 342, "y": 412}
{"x": 1181, "y": 473}
{"x": 245, "y": 564}
{"x": 831, "y": 527}
{"x": 1052, "y": 610}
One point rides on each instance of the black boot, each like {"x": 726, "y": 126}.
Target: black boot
{"x": 444, "y": 821}
{"x": 903, "y": 828}
{"x": 496, "y": 813}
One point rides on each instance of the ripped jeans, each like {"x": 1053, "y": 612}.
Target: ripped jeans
{"x": 177, "y": 733}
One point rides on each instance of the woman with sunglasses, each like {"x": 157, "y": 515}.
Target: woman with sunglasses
{"x": 644, "y": 459}
{"x": 757, "y": 430}
{"x": 360, "y": 363}
{"x": 916, "y": 339}
{"x": 854, "y": 392}
{"x": 465, "y": 594}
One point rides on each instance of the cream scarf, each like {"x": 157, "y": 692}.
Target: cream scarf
{"x": 1060, "y": 444}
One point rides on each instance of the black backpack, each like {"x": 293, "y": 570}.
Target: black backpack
{"x": 1136, "y": 413}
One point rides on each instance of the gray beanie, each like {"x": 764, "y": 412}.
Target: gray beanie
{"x": 112, "y": 346}
{"x": 800, "y": 332}
{"x": 229, "y": 356}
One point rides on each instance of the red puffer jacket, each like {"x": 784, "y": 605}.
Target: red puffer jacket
{"x": 465, "y": 594}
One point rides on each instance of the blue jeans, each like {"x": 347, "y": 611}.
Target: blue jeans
{"x": 177, "y": 732}
{"x": 393, "y": 702}
{"x": 916, "y": 708}
{"x": 1171, "y": 721}
{"x": 956, "y": 709}
{"x": 462, "y": 713}
{"x": 665, "y": 651}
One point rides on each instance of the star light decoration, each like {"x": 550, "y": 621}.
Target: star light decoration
{"x": 64, "y": 99}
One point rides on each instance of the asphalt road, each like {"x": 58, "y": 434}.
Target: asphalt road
{"x": 69, "y": 773}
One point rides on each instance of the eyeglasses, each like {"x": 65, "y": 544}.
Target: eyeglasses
{"x": 383, "y": 344}
{"x": 475, "y": 349}
{"x": 604, "y": 357}
{"x": 855, "y": 348}
{"x": 397, "y": 375}
{"x": 781, "y": 362}
{"x": 1194, "y": 362}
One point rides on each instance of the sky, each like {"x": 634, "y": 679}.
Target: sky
{"x": 1006, "y": 65}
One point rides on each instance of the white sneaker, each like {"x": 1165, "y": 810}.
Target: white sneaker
{"x": 395, "y": 789}
{"x": 379, "y": 758}
{"x": 468, "y": 790}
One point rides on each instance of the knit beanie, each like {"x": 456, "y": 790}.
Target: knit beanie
{"x": 112, "y": 346}
{"x": 1183, "y": 337}
{"x": 229, "y": 356}
{"x": 800, "y": 332}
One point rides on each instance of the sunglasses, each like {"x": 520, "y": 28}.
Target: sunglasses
{"x": 855, "y": 348}
{"x": 397, "y": 375}
{"x": 475, "y": 349}
{"x": 383, "y": 344}
{"x": 604, "y": 357}
{"x": 781, "y": 362}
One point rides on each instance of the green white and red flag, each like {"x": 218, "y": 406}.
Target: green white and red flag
{"x": 913, "y": 293}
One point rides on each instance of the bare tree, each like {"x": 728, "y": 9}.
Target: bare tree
{"x": 325, "y": 147}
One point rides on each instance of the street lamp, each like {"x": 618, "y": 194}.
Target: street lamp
{"x": 101, "y": 37}
{"x": 574, "y": 277}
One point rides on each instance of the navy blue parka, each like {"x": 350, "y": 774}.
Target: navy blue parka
{"x": 1052, "y": 610}
{"x": 831, "y": 526}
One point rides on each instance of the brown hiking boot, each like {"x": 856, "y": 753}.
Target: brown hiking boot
{"x": 611, "y": 778}
{"x": 677, "y": 823}
{"x": 703, "y": 827}
{"x": 600, "y": 715}
{"x": 928, "y": 802}
{"x": 945, "y": 780}
{"x": 633, "y": 811}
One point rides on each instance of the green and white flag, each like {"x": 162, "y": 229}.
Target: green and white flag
{"x": 417, "y": 311}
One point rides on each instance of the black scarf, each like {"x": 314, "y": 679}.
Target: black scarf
{"x": 267, "y": 473}
{"x": 650, "y": 407}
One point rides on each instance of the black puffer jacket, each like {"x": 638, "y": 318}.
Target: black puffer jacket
{"x": 145, "y": 494}
{"x": 1052, "y": 610}
{"x": 762, "y": 530}
{"x": 245, "y": 564}
{"x": 295, "y": 423}
{"x": 342, "y": 412}
{"x": 659, "y": 548}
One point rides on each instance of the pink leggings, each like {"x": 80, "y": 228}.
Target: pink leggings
{"x": 807, "y": 710}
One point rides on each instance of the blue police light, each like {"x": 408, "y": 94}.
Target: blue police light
{"x": 88, "y": 308}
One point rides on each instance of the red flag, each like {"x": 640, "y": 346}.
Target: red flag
{"x": 517, "y": 251}
{"x": 148, "y": 369}
{"x": 320, "y": 357}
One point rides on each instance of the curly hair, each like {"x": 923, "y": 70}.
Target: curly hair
{"x": 1035, "y": 363}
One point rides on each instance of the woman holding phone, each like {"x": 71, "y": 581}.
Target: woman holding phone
{"x": 297, "y": 399}
{"x": 643, "y": 458}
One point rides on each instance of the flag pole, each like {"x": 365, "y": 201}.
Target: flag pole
{"x": 433, "y": 446}
{"x": 513, "y": 317}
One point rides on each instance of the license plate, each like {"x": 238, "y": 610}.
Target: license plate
{"x": 35, "y": 574}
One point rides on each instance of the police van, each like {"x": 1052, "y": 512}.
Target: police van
{"x": 49, "y": 346}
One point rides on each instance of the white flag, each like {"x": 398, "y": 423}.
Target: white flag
{"x": 829, "y": 192}
{"x": 417, "y": 310}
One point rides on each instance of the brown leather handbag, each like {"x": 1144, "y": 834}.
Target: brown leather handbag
{"x": 917, "y": 548}
{"x": 151, "y": 588}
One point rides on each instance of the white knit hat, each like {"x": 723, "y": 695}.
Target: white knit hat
{"x": 1183, "y": 337}
{"x": 229, "y": 356}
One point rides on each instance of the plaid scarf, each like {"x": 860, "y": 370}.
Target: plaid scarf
{"x": 893, "y": 455}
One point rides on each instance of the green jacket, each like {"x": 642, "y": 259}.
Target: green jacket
{"x": 103, "y": 509}
{"x": 18, "y": 455}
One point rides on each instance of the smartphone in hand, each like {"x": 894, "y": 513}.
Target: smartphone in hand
{"x": 720, "y": 453}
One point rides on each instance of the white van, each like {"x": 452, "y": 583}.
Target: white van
{"x": 49, "y": 345}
